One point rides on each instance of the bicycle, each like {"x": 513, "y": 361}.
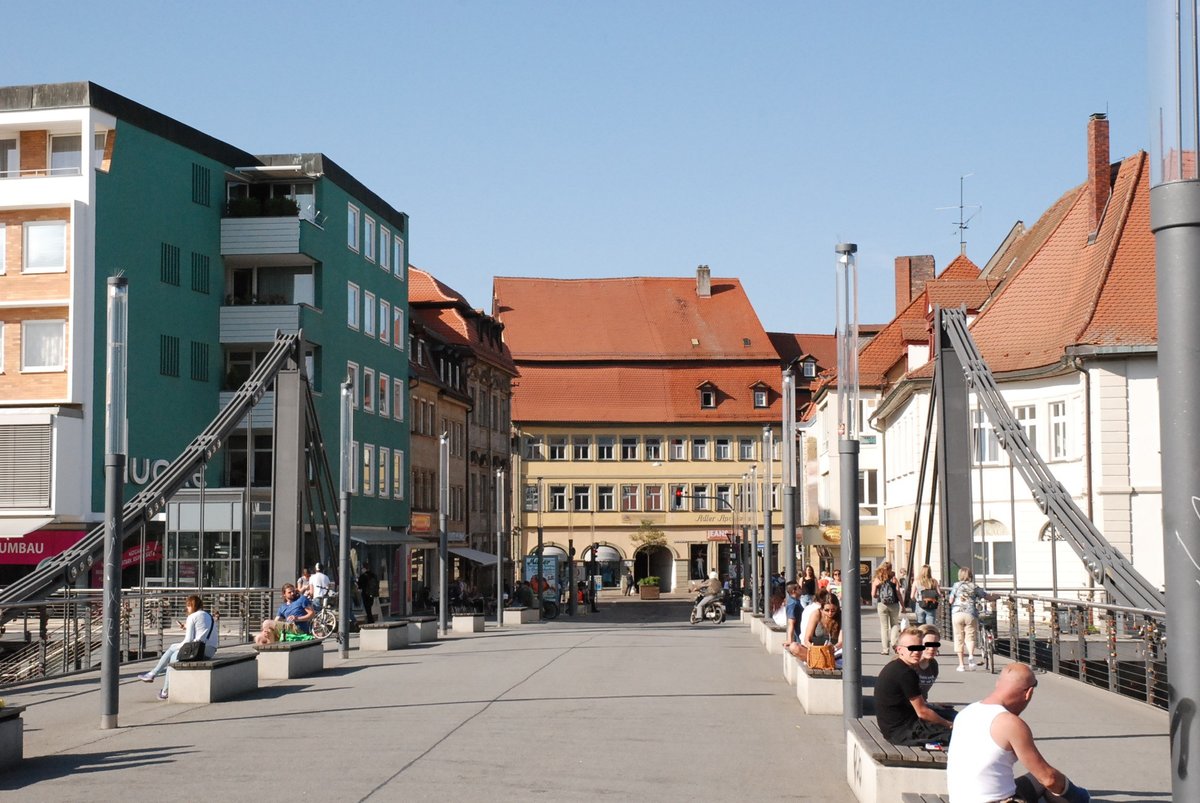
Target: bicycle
{"x": 325, "y": 623}
{"x": 987, "y": 631}
{"x": 549, "y": 604}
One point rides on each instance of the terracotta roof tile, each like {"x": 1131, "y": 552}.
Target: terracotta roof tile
{"x": 1062, "y": 296}
{"x": 642, "y": 393}
{"x": 628, "y": 318}
{"x": 446, "y": 312}
{"x": 423, "y": 287}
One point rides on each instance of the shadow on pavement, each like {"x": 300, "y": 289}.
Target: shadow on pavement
{"x": 42, "y": 768}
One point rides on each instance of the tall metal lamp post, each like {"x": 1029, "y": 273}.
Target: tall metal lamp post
{"x": 443, "y": 537}
{"x": 500, "y": 547}
{"x": 788, "y": 474}
{"x": 847, "y": 399}
{"x": 768, "y": 448}
{"x": 1175, "y": 221}
{"x": 347, "y": 488}
{"x": 114, "y": 492}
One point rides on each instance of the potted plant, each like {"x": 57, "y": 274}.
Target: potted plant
{"x": 648, "y": 588}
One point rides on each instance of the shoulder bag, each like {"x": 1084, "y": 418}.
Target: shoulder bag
{"x": 194, "y": 650}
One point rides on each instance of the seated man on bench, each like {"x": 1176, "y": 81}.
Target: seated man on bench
{"x": 904, "y": 716}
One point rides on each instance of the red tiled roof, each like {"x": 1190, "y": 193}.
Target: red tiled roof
{"x": 445, "y": 312}
{"x": 636, "y": 318}
{"x": 1069, "y": 291}
{"x": 642, "y": 393}
{"x": 424, "y": 288}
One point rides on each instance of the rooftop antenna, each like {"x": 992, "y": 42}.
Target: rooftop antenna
{"x": 963, "y": 221}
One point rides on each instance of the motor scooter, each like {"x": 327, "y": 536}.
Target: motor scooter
{"x": 714, "y": 612}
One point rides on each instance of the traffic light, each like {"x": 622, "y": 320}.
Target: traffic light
{"x": 679, "y": 497}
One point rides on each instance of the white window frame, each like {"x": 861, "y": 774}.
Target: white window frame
{"x": 384, "y": 480}
{"x": 398, "y": 327}
{"x": 368, "y": 466}
{"x": 533, "y": 447}
{"x": 398, "y": 474}
{"x": 760, "y": 399}
{"x": 746, "y": 450}
{"x": 353, "y": 316}
{"x": 708, "y": 398}
{"x": 385, "y": 391}
{"x": 3, "y": 248}
{"x": 1, "y": 347}
{"x": 652, "y": 497}
{"x": 1060, "y": 432}
{"x": 1026, "y": 415}
{"x": 352, "y": 375}
{"x": 630, "y": 497}
{"x": 606, "y": 498}
{"x": 557, "y": 499}
{"x": 985, "y": 447}
{"x": 868, "y": 493}
{"x": 368, "y": 313}
{"x": 368, "y": 396}
{"x": 653, "y": 447}
{"x": 398, "y": 399}
{"x": 385, "y": 321}
{"x": 385, "y": 248}
{"x": 31, "y": 225}
{"x": 557, "y": 445}
{"x": 722, "y": 449}
{"x": 369, "y": 238}
{"x": 581, "y": 447}
{"x": 581, "y": 497}
{"x": 51, "y": 170}
{"x": 677, "y": 502}
{"x": 699, "y": 448}
{"x": 628, "y": 442}
{"x": 677, "y": 448}
{"x": 26, "y": 368}
{"x": 352, "y": 217}
{"x": 398, "y": 257}
{"x": 606, "y": 447}
{"x": 701, "y": 500}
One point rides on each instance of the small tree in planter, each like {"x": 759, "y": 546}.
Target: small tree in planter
{"x": 648, "y": 588}
{"x": 648, "y": 536}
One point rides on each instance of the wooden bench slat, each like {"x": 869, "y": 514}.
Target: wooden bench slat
{"x": 215, "y": 663}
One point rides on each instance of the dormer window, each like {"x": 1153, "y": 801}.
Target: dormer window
{"x": 761, "y": 397}
{"x": 708, "y": 398}
{"x": 810, "y": 368}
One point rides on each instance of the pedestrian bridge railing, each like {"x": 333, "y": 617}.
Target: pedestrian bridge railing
{"x": 63, "y": 633}
{"x": 1121, "y": 649}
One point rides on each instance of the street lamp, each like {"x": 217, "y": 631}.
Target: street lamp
{"x": 768, "y": 449}
{"x": 847, "y": 405}
{"x": 347, "y": 488}
{"x": 114, "y": 492}
{"x": 1175, "y": 221}
{"x": 500, "y": 550}
{"x": 443, "y": 537}
{"x": 788, "y": 473}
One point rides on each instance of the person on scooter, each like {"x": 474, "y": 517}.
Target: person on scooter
{"x": 712, "y": 593}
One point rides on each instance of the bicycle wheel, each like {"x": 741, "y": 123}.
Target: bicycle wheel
{"x": 549, "y": 609}
{"x": 324, "y": 624}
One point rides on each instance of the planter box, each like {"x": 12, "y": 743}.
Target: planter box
{"x": 648, "y": 592}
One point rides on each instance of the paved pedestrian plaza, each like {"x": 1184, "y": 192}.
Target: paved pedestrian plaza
{"x": 630, "y": 703}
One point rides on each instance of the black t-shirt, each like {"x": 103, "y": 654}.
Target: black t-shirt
{"x": 927, "y": 677}
{"x": 808, "y": 586}
{"x": 896, "y": 685}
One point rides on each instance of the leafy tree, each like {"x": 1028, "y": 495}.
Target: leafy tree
{"x": 648, "y": 536}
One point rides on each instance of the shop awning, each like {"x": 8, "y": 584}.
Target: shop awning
{"x": 17, "y": 527}
{"x": 380, "y": 535}
{"x": 476, "y": 555}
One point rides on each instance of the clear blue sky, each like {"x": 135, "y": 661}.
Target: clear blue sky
{"x": 572, "y": 139}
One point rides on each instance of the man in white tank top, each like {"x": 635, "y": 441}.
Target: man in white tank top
{"x": 989, "y": 737}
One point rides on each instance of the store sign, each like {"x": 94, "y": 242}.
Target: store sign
{"x": 35, "y": 547}
{"x": 549, "y": 566}
{"x": 723, "y": 536}
{"x": 421, "y": 523}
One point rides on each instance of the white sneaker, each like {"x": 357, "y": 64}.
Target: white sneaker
{"x": 960, "y": 669}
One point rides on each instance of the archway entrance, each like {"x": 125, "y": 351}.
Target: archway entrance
{"x": 655, "y": 561}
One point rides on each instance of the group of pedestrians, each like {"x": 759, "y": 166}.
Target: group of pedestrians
{"x": 984, "y": 740}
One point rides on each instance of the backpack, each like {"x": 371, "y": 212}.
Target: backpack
{"x": 929, "y": 599}
{"x": 887, "y": 592}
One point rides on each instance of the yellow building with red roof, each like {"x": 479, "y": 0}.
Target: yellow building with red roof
{"x": 641, "y": 405}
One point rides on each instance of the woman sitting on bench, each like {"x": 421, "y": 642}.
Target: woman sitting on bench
{"x": 200, "y": 626}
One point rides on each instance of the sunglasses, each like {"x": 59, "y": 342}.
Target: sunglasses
{"x": 914, "y": 647}
{"x": 932, "y": 645}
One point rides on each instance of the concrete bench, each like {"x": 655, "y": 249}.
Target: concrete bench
{"x": 819, "y": 690}
{"x": 466, "y": 623}
{"x": 756, "y": 626}
{"x": 746, "y": 617}
{"x": 773, "y": 637}
{"x": 521, "y": 615}
{"x": 12, "y": 736}
{"x": 878, "y": 770}
{"x": 383, "y": 636}
{"x": 422, "y": 628}
{"x": 285, "y": 660}
{"x": 790, "y": 667}
{"x": 222, "y": 678}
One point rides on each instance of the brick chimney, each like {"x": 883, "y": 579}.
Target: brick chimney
{"x": 1099, "y": 168}
{"x": 912, "y": 273}
{"x": 703, "y": 281}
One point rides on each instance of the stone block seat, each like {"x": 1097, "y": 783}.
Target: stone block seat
{"x": 12, "y": 736}
{"x": 224, "y": 677}
{"x": 382, "y": 636}
{"x": 878, "y": 770}
{"x": 466, "y": 623}
{"x": 422, "y": 628}
{"x": 773, "y": 637}
{"x": 819, "y": 690}
{"x": 284, "y": 660}
{"x": 520, "y": 615}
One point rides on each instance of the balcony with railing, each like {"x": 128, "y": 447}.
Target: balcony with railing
{"x": 267, "y": 231}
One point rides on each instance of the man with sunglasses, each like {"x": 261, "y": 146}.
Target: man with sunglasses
{"x": 990, "y": 737}
{"x": 900, "y": 708}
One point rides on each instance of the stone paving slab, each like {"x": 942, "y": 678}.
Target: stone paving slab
{"x": 632, "y": 702}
